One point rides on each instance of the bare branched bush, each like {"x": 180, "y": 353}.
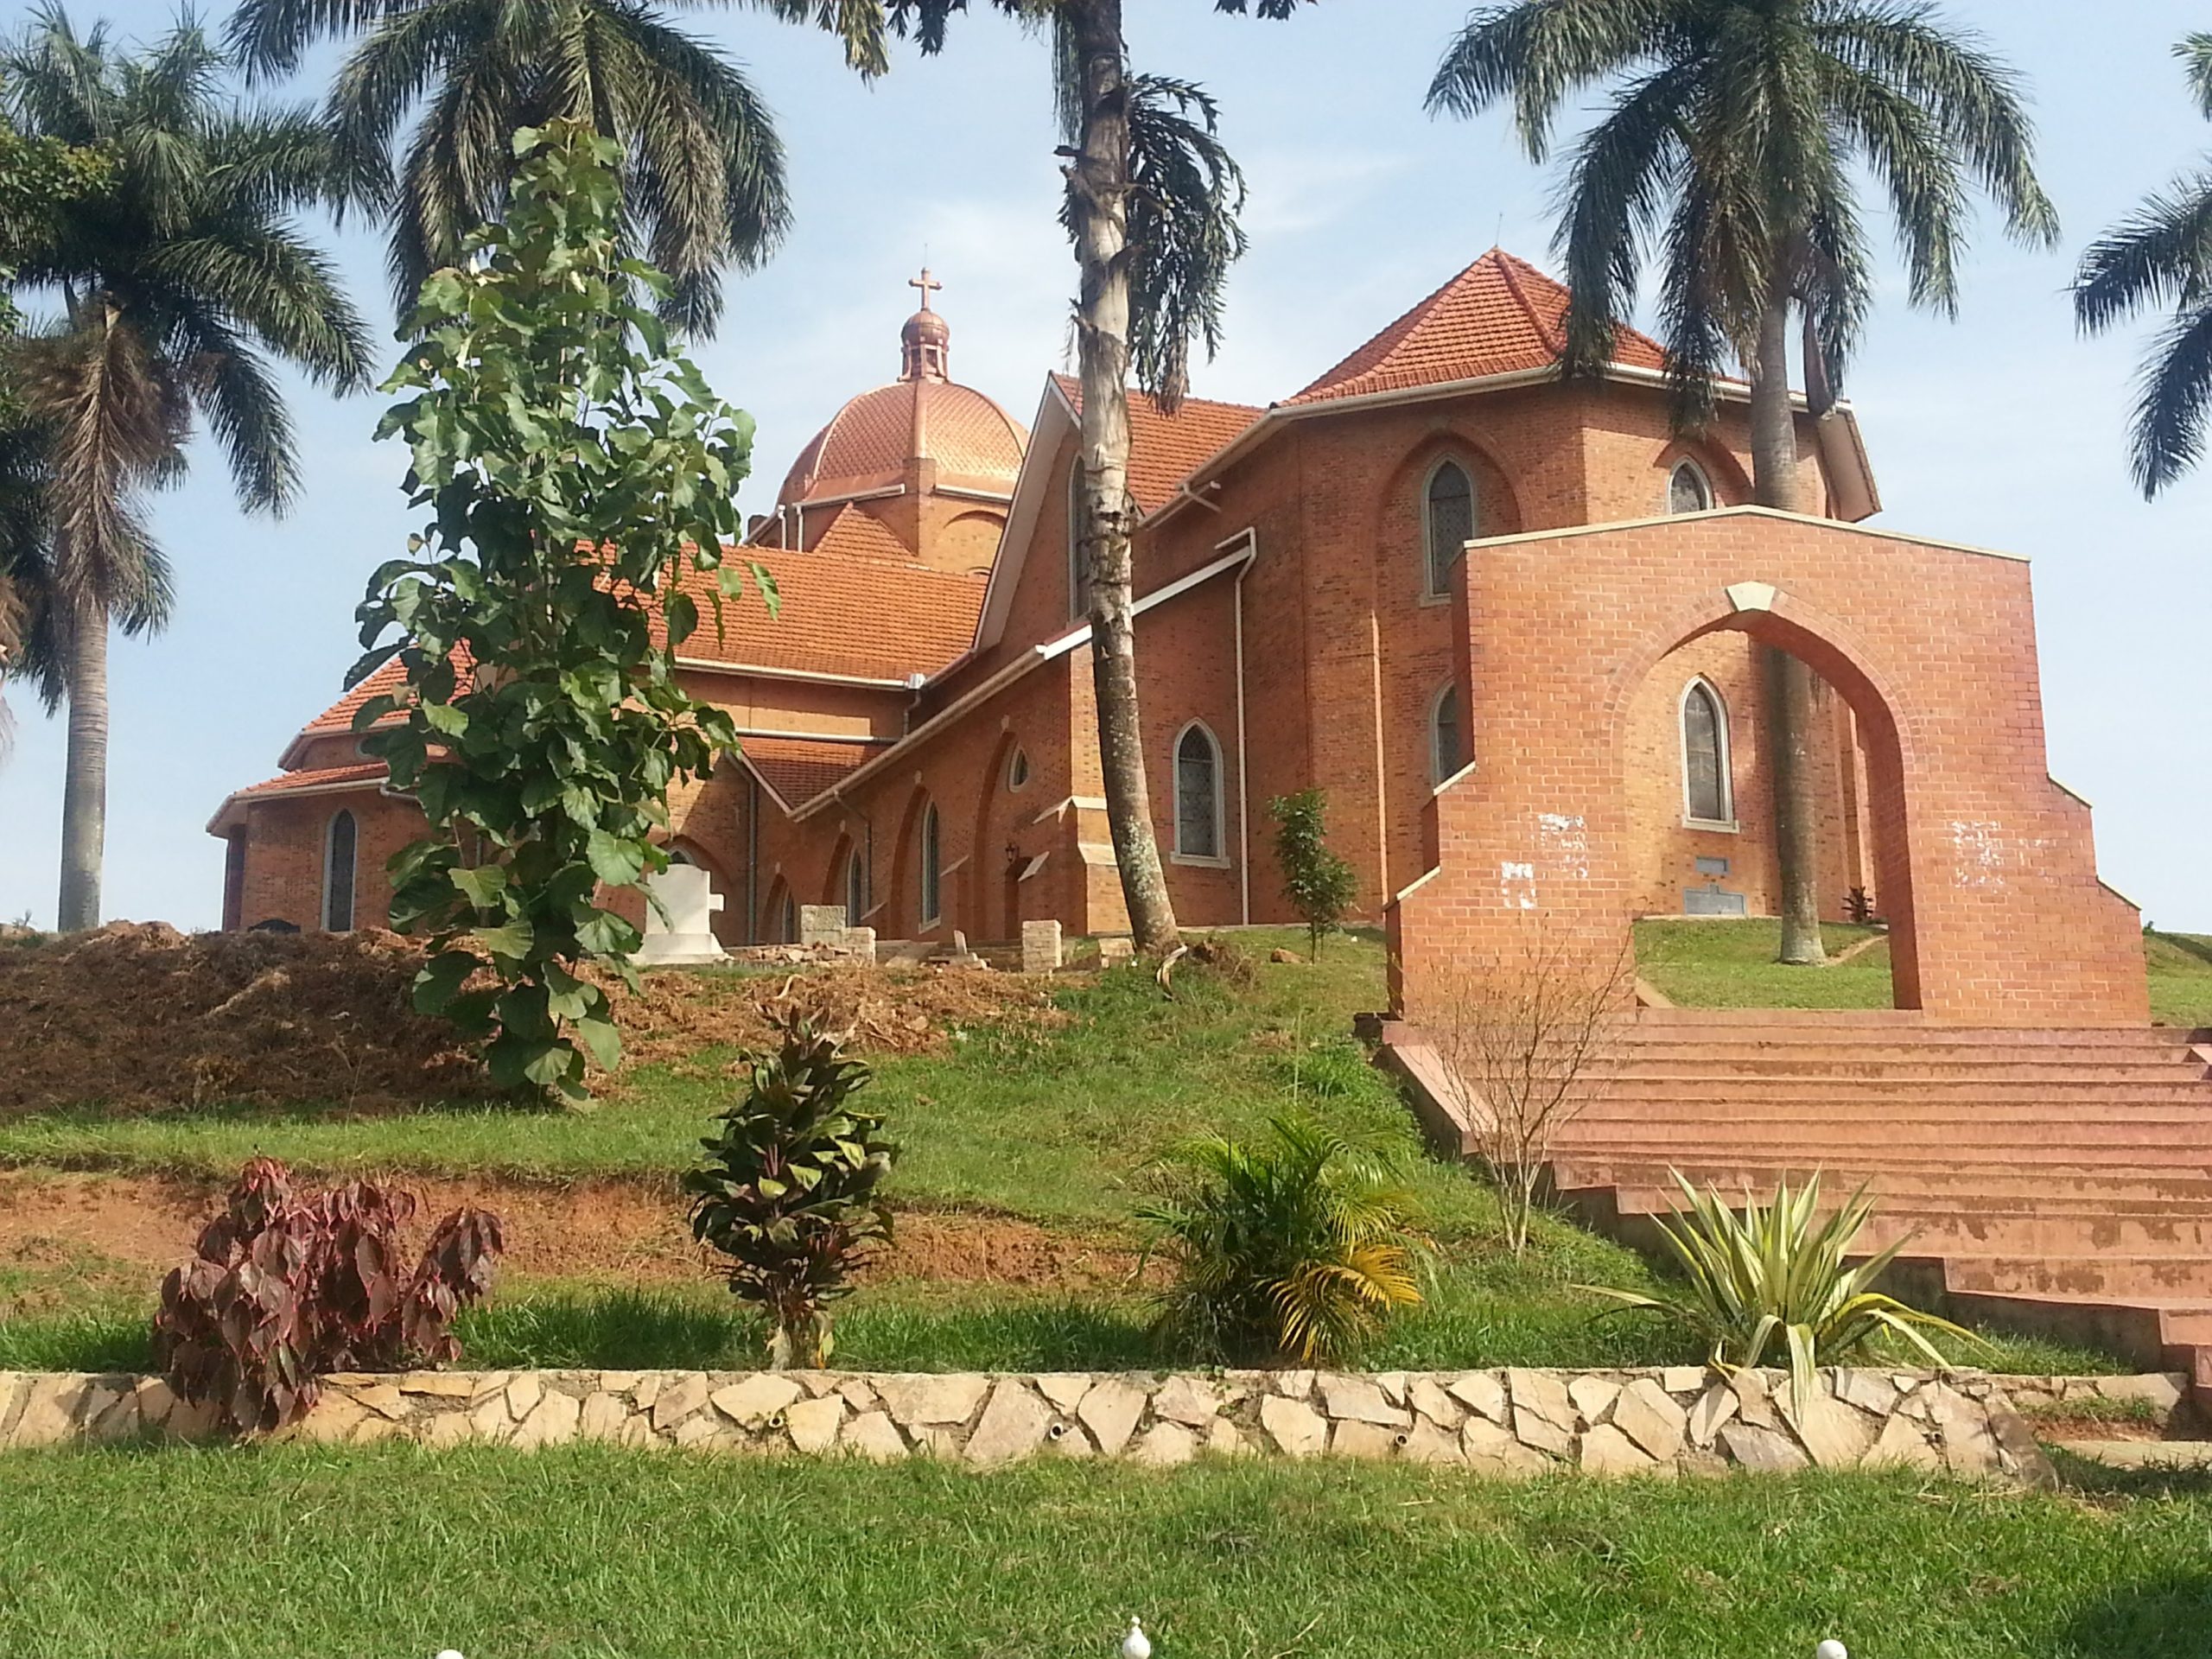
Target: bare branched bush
{"x": 1520, "y": 1037}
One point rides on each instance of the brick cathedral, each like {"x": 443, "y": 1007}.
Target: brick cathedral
{"x": 1512, "y": 626}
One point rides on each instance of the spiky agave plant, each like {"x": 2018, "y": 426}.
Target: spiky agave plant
{"x": 1297, "y": 1245}
{"x": 789, "y": 1190}
{"x": 1778, "y": 1272}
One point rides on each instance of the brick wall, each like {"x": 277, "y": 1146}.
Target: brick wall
{"x": 1985, "y": 866}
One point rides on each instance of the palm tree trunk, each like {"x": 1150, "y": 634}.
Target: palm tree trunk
{"x": 1790, "y": 682}
{"x": 84, "y": 790}
{"x": 1099, "y": 180}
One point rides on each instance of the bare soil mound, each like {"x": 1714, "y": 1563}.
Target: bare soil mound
{"x": 614, "y": 1232}
{"x": 138, "y": 1017}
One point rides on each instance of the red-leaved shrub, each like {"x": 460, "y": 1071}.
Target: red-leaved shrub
{"x": 286, "y": 1288}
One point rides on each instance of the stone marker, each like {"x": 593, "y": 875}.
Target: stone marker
{"x": 822, "y": 926}
{"x": 1041, "y": 948}
{"x": 687, "y": 933}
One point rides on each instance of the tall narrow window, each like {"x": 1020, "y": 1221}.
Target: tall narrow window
{"x": 1078, "y": 580}
{"x": 855, "y": 888}
{"x": 1197, "y": 793}
{"x": 932, "y": 905}
{"x": 338, "y": 853}
{"x": 787, "y": 920}
{"x": 1708, "y": 792}
{"x": 1450, "y": 519}
{"x": 1448, "y": 750}
{"x": 1688, "y": 490}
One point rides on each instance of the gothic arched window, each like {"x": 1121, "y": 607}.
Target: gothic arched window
{"x": 855, "y": 887}
{"x": 1448, "y": 514}
{"x": 1448, "y": 744}
{"x": 1197, "y": 793}
{"x": 1708, "y": 792}
{"x": 932, "y": 900}
{"x": 1688, "y": 490}
{"x": 339, "y": 844}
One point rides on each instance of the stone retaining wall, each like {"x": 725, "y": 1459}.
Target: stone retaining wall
{"x": 1514, "y": 1423}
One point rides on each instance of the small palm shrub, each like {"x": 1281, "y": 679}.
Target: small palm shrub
{"x": 1777, "y": 1275}
{"x": 790, "y": 1189}
{"x": 1294, "y": 1247}
{"x": 285, "y": 1287}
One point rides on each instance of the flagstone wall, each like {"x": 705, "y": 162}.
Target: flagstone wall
{"x": 1512, "y": 1423}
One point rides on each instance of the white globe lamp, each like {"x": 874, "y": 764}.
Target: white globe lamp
{"x": 1136, "y": 1644}
{"x": 1830, "y": 1649}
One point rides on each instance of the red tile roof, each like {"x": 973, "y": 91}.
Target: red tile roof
{"x": 858, "y": 535}
{"x": 1499, "y": 316}
{"x": 868, "y": 618}
{"x": 323, "y": 778}
{"x": 798, "y": 769}
{"x": 1165, "y": 451}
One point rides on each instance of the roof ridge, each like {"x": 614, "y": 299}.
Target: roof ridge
{"x": 1509, "y": 267}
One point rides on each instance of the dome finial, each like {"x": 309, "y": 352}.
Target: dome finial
{"x": 925, "y": 343}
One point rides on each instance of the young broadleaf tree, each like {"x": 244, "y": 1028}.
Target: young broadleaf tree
{"x": 179, "y": 280}
{"x": 1151, "y": 207}
{"x": 1733, "y": 148}
{"x": 2162, "y": 255}
{"x": 574, "y": 471}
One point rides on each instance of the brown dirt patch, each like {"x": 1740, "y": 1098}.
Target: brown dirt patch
{"x": 613, "y": 1232}
{"x": 138, "y": 1017}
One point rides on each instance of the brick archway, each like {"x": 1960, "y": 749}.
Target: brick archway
{"x": 1770, "y": 616}
{"x": 1989, "y": 864}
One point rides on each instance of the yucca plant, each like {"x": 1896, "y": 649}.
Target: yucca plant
{"x": 1296, "y": 1246}
{"x": 789, "y": 1190}
{"x": 1778, "y": 1272}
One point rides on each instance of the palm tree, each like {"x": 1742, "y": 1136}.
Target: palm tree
{"x": 703, "y": 176}
{"x": 1151, "y": 208}
{"x": 2162, "y": 255}
{"x": 1730, "y": 148}
{"x": 175, "y": 281}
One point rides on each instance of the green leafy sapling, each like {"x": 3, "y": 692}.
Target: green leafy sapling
{"x": 790, "y": 1191}
{"x": 581, "y": 479}
{"x": 1320, "y": 884}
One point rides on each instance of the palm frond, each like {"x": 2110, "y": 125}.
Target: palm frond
{"x": 2167, "y": 436}
{"x": 1538, "y": 52}
{"x": 1185, "y": 192}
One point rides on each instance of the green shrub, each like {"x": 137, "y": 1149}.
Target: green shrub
{"x": 1319, "y": 885}
{"x": 1778, "y": 1274}
{"x": 789, "y": 1190}
{"x": 1295, "y": 1247}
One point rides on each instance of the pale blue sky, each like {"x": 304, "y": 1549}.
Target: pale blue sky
{"x": 2001, "y": 429}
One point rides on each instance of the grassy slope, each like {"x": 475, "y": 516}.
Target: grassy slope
{"x": 1730, "y": 965}
{"x": 1052, "y": 1125}
{"x": 589, "y": 1552}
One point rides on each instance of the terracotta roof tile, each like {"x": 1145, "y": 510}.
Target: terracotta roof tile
{"x": 322, "y": 777}
{"x": 855, "y": 534}
{"x": 868, "y": 442}
{"x": 798, "y": 769}
{"x": 1499, "y": 316}
{"x": 868, "y": 619}
{"x": 1163, "y": 452}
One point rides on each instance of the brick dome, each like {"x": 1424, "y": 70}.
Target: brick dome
{"x": 872, "y": 442}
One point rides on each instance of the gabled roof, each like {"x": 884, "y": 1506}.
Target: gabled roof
{"x": 839, "y": 617}
{"x": 1499, "y": 316}
{"x": 797, "y": 769}
{"x": 324, "y": 781}
{"x": 858, "y": 535}
{"x": 1165, "y": 450}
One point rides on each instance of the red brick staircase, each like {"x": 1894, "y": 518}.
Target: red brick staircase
{"x": 2052, "y": 1180}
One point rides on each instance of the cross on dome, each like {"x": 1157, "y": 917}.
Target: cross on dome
{"x": 925, "y": 343}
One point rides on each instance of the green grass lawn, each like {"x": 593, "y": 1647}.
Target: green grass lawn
{"x": 1055, "y": 1126}
{"x": 590, "y": 1552}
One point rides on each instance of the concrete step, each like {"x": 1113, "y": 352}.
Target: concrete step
{"x": 1897, "y": 1088}
{"x": 1996, "y": 1231}
{"x": 1995, "y": 1068}
{"x": 2120, "y": 1277}
{"x": 1949, "y": 1191}
{"x": 2123, "y": 1169}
